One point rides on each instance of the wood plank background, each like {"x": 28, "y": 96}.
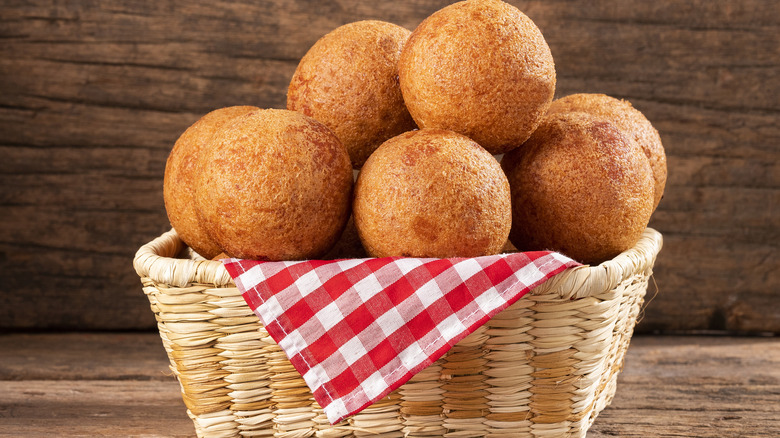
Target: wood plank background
{"x": 93, "y": 95}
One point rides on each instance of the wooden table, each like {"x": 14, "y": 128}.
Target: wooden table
{"x": 108, "y": 384}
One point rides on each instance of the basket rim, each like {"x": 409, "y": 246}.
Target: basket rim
{"x": 158, "y": 261}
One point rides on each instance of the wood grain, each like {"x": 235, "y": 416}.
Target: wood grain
{"x": 69, "y": 408}
{"x": 695, "y": 386}
{"x": 93, "y": 95}
{"x": 119, "y": 385}
{"x": 87, "y": 384}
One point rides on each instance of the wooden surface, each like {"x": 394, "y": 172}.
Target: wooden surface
{"x": 119, "y": 385}
{"x": 94, "y": 94}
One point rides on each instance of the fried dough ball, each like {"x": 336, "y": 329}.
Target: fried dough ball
{"x": 349, "y": 81}
{"x": 432, "y": 193}
{"x": 627, "y": 118}
{"x": 348, "y": 246}
{"x": 275, "y": 185}
{"x": 579, "y": 186}
{"x": 180, "y": 173}
{"x": 480, "y": 68}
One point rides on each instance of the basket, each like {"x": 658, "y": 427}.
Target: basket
{"x": 544, "y": 367}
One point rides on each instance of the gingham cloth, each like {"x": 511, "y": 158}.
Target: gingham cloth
{"x": 357, "y": 329}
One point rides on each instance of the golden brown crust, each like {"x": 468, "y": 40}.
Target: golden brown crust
{"x": 276, "y": 185}
{"x": 628, "y": 119}
{"x": 180, "y": 174}
{"x": 481, "y": 68}
{"x": 348, "y": 80}
{"x": 579, "y": 186}
{"x": 432, "y": 193}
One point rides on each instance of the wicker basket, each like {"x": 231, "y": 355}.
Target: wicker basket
{"x": 544, "y": 367}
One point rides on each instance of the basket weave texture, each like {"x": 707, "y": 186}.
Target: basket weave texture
{"x": 544, "y": 367}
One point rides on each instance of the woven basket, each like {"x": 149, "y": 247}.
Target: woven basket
{"x": 544, "y": 367}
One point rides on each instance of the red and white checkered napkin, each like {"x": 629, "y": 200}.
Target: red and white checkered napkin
{"x": 357, "y": 329}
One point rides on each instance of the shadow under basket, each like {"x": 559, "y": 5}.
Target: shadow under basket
{"x": 544, "y": 367}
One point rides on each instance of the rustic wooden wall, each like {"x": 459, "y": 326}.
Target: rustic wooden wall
{"x": 93, "y": 94}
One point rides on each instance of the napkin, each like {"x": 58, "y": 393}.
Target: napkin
{"x": 356, "y": 329}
